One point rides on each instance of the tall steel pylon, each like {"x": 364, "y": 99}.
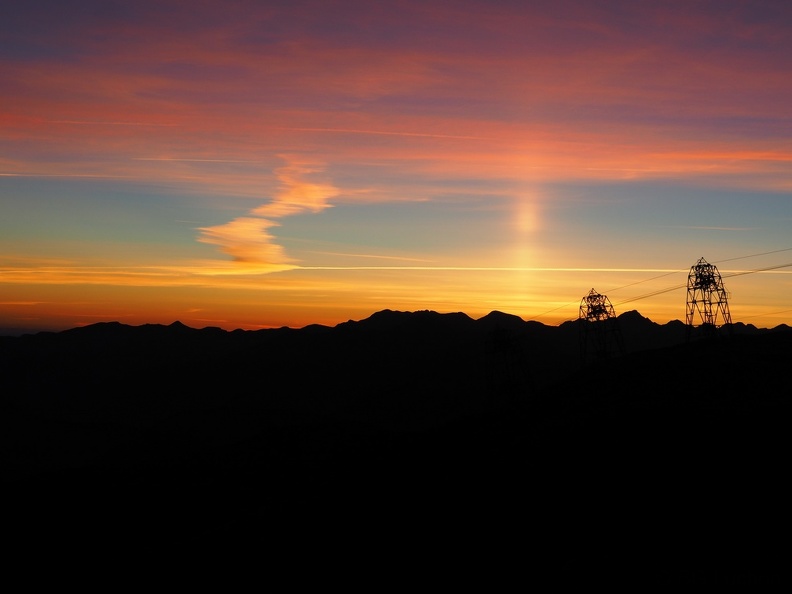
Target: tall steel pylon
{"x": 706, "y": 296}
{"x": 599, "y": 325}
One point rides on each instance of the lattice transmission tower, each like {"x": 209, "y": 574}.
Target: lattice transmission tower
{"x": 599, "y": 328}
{"x": 706, "y": 297}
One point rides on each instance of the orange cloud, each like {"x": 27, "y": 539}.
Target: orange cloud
{"x": 298, "y": 195}
{"x": 247, "y": 239}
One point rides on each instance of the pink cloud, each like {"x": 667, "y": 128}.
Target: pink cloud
{"x": 297, "y": 195}
{"x": 566, "y": 87}
{"x": 247, "y": 238}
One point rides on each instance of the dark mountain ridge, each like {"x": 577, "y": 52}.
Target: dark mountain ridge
{"x": 639, "y": 332}
{"x": 410, "y": 419}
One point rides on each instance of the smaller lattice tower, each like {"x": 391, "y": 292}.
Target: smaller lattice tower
{"x": 600, "y": 334}
{"x": 707, "y": 297}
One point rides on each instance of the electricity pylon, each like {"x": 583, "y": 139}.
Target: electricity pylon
{"x": 599, "y": 325}
{"x": 707, "y": 297}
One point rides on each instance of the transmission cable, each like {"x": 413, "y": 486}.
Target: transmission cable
{"x": 733, "y": 274}
{"x": 676, "y": 287}
{"x": 754, "y": 255}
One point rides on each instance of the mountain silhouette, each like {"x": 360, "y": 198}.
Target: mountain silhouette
{"x": 480, "y": 428}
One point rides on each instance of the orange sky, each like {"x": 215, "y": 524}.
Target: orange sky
{"x": 251, "y": 165}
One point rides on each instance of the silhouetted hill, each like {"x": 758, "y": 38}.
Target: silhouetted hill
{"x": 641, "y": 333}
{"x": 499, "y": 320}
{"x": 481, "y": 429}
{"x": 420, "y": 321}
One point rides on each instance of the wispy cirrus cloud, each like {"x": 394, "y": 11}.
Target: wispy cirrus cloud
{"x": 247, "y": 239}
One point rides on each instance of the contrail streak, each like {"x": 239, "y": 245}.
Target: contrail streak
{"x": 93, "y": 123}
{"x": 374, "y": 256}
{"x": 385, "y": 133}
{"x": 194, "y": 160}
{"x": 484, "y": 268}
{"x": 90, "y": 175}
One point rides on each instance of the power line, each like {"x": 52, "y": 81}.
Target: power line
{"x": 646, "y": 280}
{"x": 743, "y": 272}
{"x": 551, "y": 311}
{"x": 733, "y": 274}
{"x": 653, "y": 293}
{"x": 754, "y": 255}
{"x": 717, "y": 262}
{"x": 682, "y": 286}
{"x": 769, "y": 313}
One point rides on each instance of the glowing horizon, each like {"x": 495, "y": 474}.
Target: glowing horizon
{"x": 267, "y": 166}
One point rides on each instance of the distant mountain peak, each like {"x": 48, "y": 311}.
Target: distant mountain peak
{"x": 499, "y": 319}
{"x": 388, "y": 319}
{"x": 497, "y": 314}
{"x": 181, "y": 328}
{"x": 96, "y": 327}
{"x": 633, "y": 317}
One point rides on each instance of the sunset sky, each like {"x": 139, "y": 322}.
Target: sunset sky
{"x": 254, "y": 164}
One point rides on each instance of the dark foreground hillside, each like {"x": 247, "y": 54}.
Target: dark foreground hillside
{"x": 409, "y": 443}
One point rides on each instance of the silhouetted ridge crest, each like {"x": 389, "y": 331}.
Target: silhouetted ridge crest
{"x": 635, "y": 318}
{"x": 390, "y": 320}
{"x": 315, "y": 328}
{"x": 96, "y": 329}
{"x": 140, "y": 430}
{"x": 498, "y": 319}
{"x": 403, "y": 329}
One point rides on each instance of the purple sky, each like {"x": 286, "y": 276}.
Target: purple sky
{"x": 249, "y": 164}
